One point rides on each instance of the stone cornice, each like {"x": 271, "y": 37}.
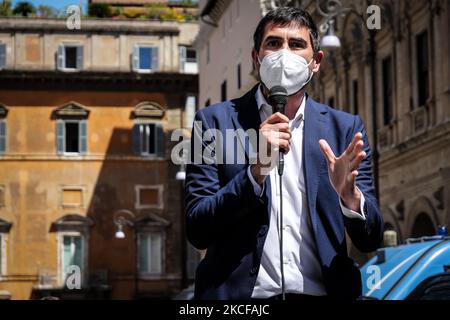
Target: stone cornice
{"x": 91, "y": 26}
{"x": 91, "y": 80}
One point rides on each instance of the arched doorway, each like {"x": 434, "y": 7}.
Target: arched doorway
{"x": 423, "y": 226}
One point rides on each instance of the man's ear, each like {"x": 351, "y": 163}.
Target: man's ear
{"x": 317, "y": 60}
{"x": 255, "y": 59}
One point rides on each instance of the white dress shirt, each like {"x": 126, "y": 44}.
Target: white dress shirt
{"x": 302, "y": 270}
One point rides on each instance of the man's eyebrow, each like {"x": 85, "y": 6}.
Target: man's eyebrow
{"x": 303, "y": 41}
{"x": 273, "y": 38}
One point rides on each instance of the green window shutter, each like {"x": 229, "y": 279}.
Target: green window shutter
{"x": 155, "y": 59}
{"x": 80, "y": 56}
{"x": 135, "y": 58}
{"x": 60, "y": 59}
{"x": 2, "y": 136}
{"x": 83, "y": 137}
{"x": 60, "y": 137}
{"x": 160, "y": 146}
{"x": 2, "y": 56}
{"x": 144, "y": 253}
{"x": 136, "y": 139}
{"x": 183, "y": 55}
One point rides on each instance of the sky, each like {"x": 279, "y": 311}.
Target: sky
{"x": 58, "y": 4}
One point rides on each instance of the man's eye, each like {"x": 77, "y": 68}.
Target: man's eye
{"x": 297, "y": 45}
{"x": 273, "y": 43}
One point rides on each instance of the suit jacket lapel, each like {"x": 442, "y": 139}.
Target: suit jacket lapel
{"x": 245, "y": 118}
{"x": 316, "y": 128}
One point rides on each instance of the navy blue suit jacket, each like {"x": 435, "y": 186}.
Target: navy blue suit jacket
{"x": 224, "y": 216}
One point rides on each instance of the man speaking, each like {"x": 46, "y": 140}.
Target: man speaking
{"x": 272, "y": 234}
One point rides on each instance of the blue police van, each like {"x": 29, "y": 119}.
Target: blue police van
{"x": 417, "y": 270}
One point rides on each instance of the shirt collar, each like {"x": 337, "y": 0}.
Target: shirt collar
{"x": 261, "y": 101}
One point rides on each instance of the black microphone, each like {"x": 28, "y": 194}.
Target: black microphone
{"x": 278, "y": 97}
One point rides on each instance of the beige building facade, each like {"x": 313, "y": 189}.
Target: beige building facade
{"x": 89, "y": 203}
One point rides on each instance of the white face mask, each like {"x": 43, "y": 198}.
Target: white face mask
{"x": 286, "y": 69}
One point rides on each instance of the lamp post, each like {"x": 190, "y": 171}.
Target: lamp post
{"x": 331, "y": 41}
{"x": 121, "y": 219}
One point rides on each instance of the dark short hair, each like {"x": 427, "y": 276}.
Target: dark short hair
{"x": 283, "y": 17}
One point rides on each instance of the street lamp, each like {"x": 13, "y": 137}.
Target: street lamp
{"x": 121, "y": 219}
{"x": 181, "y": 174}
{"x": 331, "y": 41}
{"x": 119, "y": 233}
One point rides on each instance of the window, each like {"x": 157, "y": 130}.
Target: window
{"x": 388, "y": 108}
{"x": 5, "y": 227}
{"x": 239, "y": 77}
{"x": 72, "y": 196}
{"x": 148, "y": 139}
{"x": 355, "y": 104}
{"x": 423, "y": 78}
{"x": 2, "y": 196}
{"x": 2, "y": 136}
{"x": 72, "y": 236}
{"x": 2, "y": 56}
{"x": 151, "y": 251}
{"x": 2, "y": 254}
{"x": 71, "y": 137}
{"x": 70, "y": 57}
{"x": 4, "y": 230}
{"x": 223, "y": 90}
{"x": 72, "y": 254}
{"x": 190, "y": 110}
{"x": 145, "y": 58}
{"x": 188, "y": 60}
{"x": 149, "y": 197}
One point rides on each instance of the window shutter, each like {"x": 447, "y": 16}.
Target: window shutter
{"x": 156, "y": 250}
{"x": 190, "y": 111}
{"x": 61, "y": 61}
{"x": 143, "y": 253}
{"x": 83, "y": 137}
{"x": 2, "y": 136}
{"x": 78, "y": 254}
{"x": 136, "y": 140}
{"x": 135, "y": 58}
{"x": 2, "y": 55}
{"x": 67, "y": 253}
{"x": 60, "y": 139}
{"x": 182, "y": 58}
{"x": 80, "y": 57}
{"x": 155, "y": 59}
{"x": 160, "y": 141}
